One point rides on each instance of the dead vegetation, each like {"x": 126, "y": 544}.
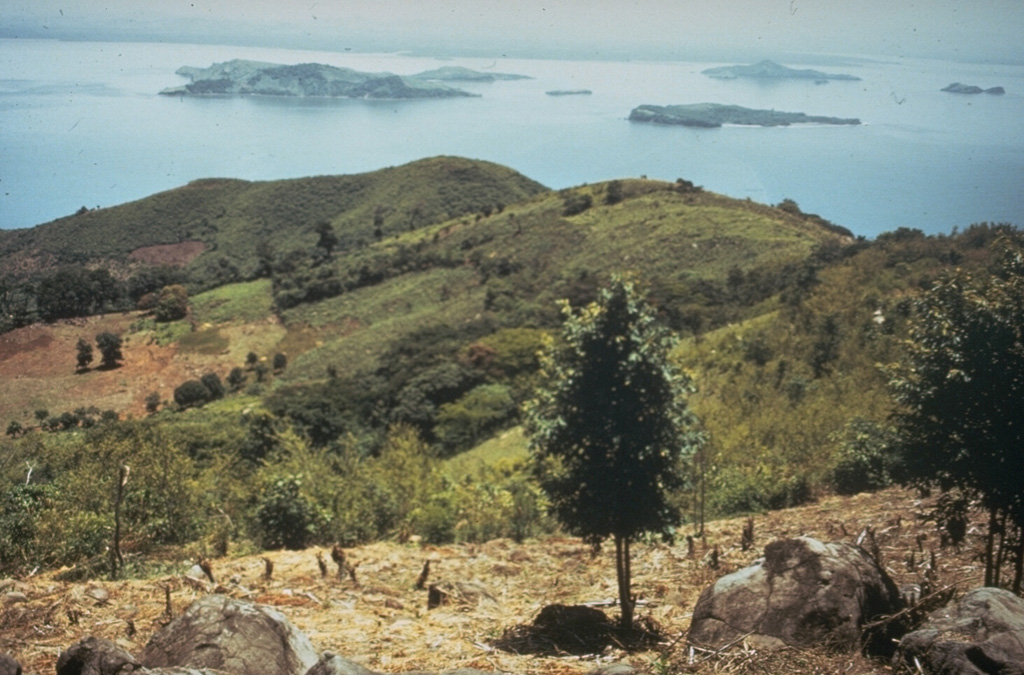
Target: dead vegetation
{"x": 496, "y": 617}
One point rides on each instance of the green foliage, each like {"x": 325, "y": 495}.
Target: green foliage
{"x": 867, "y": 458}
{"x": 958, "y": 389}
{"x": 610, "y": 428}
{"x": 190, "y": 394}
{"x": 110, "y": 349}
{"x": 575, "y": 203}
{"x": 286, "y": 517}
{"x": 84, "y": 353}
{"x": 19, "y": 512}
{"x": 172, "y": 303}
{"x": 475, "y": 416}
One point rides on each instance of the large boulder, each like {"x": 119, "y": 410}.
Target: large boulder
{"x": 982, "y": 633}
{"x": 234, "y": 636}
{"x": 95, "y": 656}
{"x": 802, "y": 593}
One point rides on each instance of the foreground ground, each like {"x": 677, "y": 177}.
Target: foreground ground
{"x": 380, "y": 619}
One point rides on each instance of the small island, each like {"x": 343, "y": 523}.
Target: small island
{"x": 460, "y": 74}
{"x": 569, "y": 92}
{"x": 958, "y": 88}
{"x": 769, "y": 70}
{"x": 711, "y": 115}
{"x": 242, "y": 77}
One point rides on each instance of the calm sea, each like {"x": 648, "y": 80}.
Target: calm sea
{"x": 81, "y": 124}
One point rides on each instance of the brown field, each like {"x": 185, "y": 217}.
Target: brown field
{"x": 37, "y": 365}
{"x": 381, "y": 621}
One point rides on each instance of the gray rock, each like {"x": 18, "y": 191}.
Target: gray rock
{"x": 221, "y": 633}
{"x": 332, "y": 664}
{"x": 982, "y": 633}
{"x": 802, "y": 593}
{"x": 8, "y": 666}
{"x": 95, "y": 656}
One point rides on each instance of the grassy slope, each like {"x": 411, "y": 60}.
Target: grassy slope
{"x": 231, "y": 216}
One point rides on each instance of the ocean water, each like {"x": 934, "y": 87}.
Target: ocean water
{"x": 82, "y": 124}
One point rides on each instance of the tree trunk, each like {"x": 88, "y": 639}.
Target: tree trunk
{"x": 623, "y": 574}
{"x": 1018, "y": 563}
{"x": 989, "y": 545}
{"x": 116, "y": 559}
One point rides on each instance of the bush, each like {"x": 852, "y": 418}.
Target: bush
{"x": 286, "y": 518}
{"x": 191, "y": 393}
{"x": 866, "y": 458}
{"x": 171, "y": 304}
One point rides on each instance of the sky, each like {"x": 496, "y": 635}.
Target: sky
{"x": 956, "y": 29}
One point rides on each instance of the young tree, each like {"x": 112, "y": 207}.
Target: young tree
{"x": 110, "y": 349}
{"x": 959, "y": 391}
{"x": 84, "y": 353}
{"x": 609, "y": 427}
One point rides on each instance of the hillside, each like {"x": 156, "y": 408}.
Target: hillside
{"x": 221, "y": 221}
{"x": 365, "y": 359}
{"x": 382, "y": 622}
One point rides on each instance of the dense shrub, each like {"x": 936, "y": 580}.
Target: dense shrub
{"x": 287, "y": 518}
{"x": 190, "y": 394}
{"x": 867, "y": 455}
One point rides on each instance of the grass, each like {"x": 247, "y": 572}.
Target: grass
{"x": 510, "y": 444}
{"x": 249, "y": 301}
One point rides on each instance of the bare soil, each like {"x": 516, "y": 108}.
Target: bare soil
{"x": 380, "y": 619}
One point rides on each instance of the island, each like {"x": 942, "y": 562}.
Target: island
{"x": 769, "y": 70}
{"x": 569, "y": 92}
{"x": 711, "y": 115}
{"x": 460, "y": 74}
{"x": 242, "y": 77}
{"x": 958, "y": 88}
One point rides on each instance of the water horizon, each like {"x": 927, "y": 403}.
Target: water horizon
{"x": 83, "y": 124}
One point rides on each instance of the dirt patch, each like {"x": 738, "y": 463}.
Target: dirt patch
{"x": 175, "y": 255}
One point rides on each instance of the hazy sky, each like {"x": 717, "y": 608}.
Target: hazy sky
{"x": 966, "y": 29}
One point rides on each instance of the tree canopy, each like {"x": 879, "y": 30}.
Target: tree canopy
{"x": 959, "y": 391}
{"x": 609, "y": 427}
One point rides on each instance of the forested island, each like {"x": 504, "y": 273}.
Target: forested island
{"x": 461, "y": 74}
{"x": 768, "y": 69}
{"x": 242, "y": 77}
{"x": 711, "y": 115}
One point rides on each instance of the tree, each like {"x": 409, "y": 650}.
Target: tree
{"x": 84, "y": 353}
{"x": 110, "y": 349}
{"x": 213, "y": 385}
{"x": 172, "y": 303}
{"x": 191, "y": 393}
{"x": 280, "y": 362}
{"x": 609, "y": 428}
{"x": 959, "y": 389}
{"x": 326, "y": 238}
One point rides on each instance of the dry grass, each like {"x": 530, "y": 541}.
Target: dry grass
{"x": 381, "y": 619}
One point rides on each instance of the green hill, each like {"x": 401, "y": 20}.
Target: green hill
{"x": 365, "y": 329}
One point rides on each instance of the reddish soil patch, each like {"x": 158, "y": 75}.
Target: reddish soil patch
{"x": 177, "y": 255}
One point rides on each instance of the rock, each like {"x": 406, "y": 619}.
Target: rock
{"x": 802, "y": 593}
{"x": 95, "y": 656}
{"x": 239, "y": 637}
{"x": 982, "y": 633}
{"x": 8, "y": 666}
{"x": 332, "y": 664}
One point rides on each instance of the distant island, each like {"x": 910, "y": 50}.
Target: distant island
{"x": 770, "y": 70}
{"x": 958, "y": 88}
{"x": 710, "y": 115}
{"x": 460, "y": 74}
{"x": 569, "y": 92}
{"x": 243, "y": 77}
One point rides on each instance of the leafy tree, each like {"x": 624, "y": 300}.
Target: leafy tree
{"x": 213, "y": 385}
{"x": 191, "y": 393}
{"x": 286, "y": 517}
{"x": 280, "y": 362}
{"x": 251, "y": 359}
{"x": 172, "y": 303}
{"x": 84, "y": 353}
{"x": 327, "y": 240}
{"x": 110, "y": 349}
{"x": 959, "y": 390}
{"x": 236, "y": 379}
{"x": 610, "y": 428}
{"x": 14, "y": 429}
